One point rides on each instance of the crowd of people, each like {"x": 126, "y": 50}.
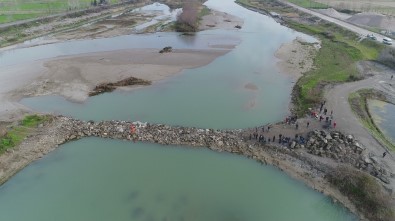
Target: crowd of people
{"x": 322, "y": 114}
{"x": 280, "y": 138}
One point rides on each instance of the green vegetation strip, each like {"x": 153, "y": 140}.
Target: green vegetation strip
{"x": 335, "y": 62}
{"x": 359, "y": 105}
{"x": 363, "y": 190}
{"x": 21, "y": 9}
{"x": 16, "y": 134}
{"x": 309, "y": 4}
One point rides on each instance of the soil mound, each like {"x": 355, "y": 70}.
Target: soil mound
{"x": 333, "y": 13}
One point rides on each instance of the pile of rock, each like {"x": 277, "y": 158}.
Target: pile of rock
{"x": 167, "y": 49}
{"x": 156, "y": 133}
{"x": 345, "y": 149}
{"x": 335, "y": 145}
{"x": 371, "y": 164}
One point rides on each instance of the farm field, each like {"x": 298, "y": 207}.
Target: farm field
{"x": 15, "y": 10}
{"x": 378, "y": 6}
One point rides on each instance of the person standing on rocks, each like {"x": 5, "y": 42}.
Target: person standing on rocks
{"x": 274, "y": 138}
{"x": 308, "y": 124}
{"x": 385, "y": 153}
{"x": 133, "y": 132}
{"x": 334, "y": 124}
{"x": 297, "y": 125}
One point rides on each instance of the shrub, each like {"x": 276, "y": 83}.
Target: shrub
{"x": 364, "y": 191}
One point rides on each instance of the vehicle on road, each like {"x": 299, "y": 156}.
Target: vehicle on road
{"x": 387, "y": 41}
{"x": 372, "y": 37}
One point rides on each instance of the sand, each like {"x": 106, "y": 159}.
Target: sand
{"x": 296, "y": 57}
{"x": 333, "y": 13}
{"x": 75, "y": 76}
{"x": 220, "y": 20}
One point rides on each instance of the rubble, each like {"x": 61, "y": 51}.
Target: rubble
{"x": 335, "y": 145}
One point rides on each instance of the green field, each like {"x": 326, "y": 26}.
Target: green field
{"x": 16, "y": 134}
{"x": 14, "y": 10}
{"x": 335, "y": 62}
{"x": 308, "y": 4}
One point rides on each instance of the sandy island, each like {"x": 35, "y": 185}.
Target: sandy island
{"x": 75, "y": 76}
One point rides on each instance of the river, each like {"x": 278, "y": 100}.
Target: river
{"x": 98, "y": 179}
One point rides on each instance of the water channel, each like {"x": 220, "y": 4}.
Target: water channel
{"x": 97, "y": 179}
{"x": 383, "y": 114}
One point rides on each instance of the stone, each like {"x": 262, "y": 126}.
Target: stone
{"x": 384, "y": 179}
{"x": 374, "y": 159}
{"x": 367, "y": 160}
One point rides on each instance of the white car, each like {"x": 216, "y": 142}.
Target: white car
{"x": 387, "y": 41}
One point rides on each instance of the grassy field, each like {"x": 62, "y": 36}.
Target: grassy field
{"x": 379, "y": 6}
{"x": 16, "y": 134}
{"x": 14, "y": 10}
{"x": 309, "y": 4}
{"x": 335, "y": 62}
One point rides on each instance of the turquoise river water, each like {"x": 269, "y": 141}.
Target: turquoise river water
{"x": 99, "y": 179}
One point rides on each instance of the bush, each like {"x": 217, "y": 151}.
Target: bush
{"x": 364, "y": 191}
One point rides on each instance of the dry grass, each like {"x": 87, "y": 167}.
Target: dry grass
{"x": 364, "y": 191}
{"x": 380, "y": 6}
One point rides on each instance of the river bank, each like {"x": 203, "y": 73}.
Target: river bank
{"x": 59, "y": 130}
{"x": 310, "y": 90}
{"x": 230, "y": 142}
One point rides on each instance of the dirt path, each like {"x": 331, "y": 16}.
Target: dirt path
{"x": 347, "y": 121}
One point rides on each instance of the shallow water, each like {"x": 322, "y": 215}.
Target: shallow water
{"x": 96, "y": 179}
{"x": 212, "y": 96}
{"x": 383, "y": 114}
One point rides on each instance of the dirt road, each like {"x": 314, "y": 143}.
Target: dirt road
{"x": 360, "y": 31}
{"x": 347, "y": 121}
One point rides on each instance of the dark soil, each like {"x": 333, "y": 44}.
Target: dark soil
{"x": 108, "y": 87}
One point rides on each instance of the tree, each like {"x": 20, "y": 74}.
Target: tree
{"x": 188, "y": 19}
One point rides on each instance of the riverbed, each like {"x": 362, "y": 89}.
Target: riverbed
{"x": 96, "y": 179}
